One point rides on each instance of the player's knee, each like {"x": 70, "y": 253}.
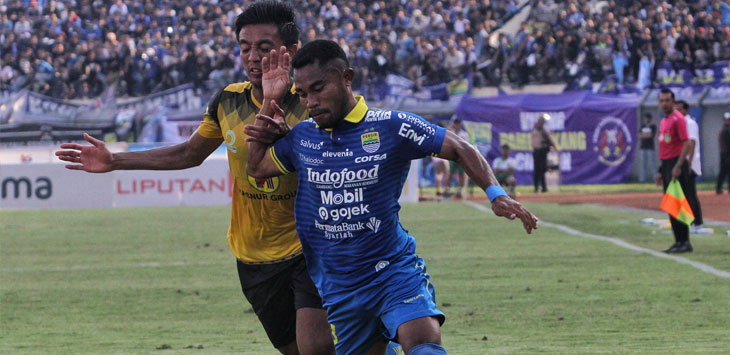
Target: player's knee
{"x": 427, "y": 349}
{"x": 316, "y": 346}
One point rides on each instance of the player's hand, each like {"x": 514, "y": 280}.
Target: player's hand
{"x": 676, "y": 171}
{"x": 94, "y": 158}
{"x": 275, "y": 127}
{"x": 658, "y": 179}
{"x": 504, "y": 206}
{"x": 275, "y": 77}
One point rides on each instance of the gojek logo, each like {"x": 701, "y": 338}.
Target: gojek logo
{"x": 343, "y": 213}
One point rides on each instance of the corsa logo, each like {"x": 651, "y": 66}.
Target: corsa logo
{"x": 269, "y": 185}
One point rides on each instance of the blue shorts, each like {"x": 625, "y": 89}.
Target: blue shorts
{"x": 372, "y": 313}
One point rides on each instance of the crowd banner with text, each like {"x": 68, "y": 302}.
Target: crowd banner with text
{"x": 597, "y": 133}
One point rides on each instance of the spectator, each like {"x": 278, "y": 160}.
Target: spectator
{"x": 647, "y": 155}
{"x": 504, "y": 170}
{"x": 695, "y": 164}
{"x": 724, "y": 144}
{"x": 454, "y": 168}
{"x": 542, "y": 143}
{"x": 558, "y": 42}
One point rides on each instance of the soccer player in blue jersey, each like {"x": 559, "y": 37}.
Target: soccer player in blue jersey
{"x": 351, "y": 162}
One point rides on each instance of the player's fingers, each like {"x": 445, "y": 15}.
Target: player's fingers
{"x": 276, "y": 108}
{"x": 97, "y": 143}
{"x": 66, "y": 158}
{"x": 75, "y": 167}
{"x": 266, "y": 119}
{"x": 286, "y": 61}
{"x": 66, "y": 153}
{"x": 282, "y": 56}
{"x": 70, "y": 146}
{"x": 273, "y": 59}
{"x": 265, "y": 64}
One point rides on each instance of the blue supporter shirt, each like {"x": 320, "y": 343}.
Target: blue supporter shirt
{"x": 350, "y": 179}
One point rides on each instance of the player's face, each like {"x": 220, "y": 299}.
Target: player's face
{"x": 666, "y": 103}
{"x": 256, "y": 41}
{"x": 505, "y": 153}
{"x": 324, "y": 92}
{"x": 680, "y": 108}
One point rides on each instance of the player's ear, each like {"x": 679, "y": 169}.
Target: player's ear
{"x": 348, "y": 74}
{"x": 292, "y": 50}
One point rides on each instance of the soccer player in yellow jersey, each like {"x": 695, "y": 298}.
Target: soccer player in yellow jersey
{"x": 262, "y": 234}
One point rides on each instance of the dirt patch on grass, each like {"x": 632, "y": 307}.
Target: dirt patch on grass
{"x": 714, "y": 207}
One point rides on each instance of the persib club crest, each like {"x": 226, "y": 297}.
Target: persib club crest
{"x": 611, "y": 141}
{"x": 370, "y": 141}
{"x": 268, "y": 186}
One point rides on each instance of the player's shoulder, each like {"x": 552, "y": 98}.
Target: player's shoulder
{"x": 238, "y": 87}
{"x": 229, "y": 91}
{"x": 304, "y": 127}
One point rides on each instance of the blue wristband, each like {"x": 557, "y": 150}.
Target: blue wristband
{"x": 494, "y": 191}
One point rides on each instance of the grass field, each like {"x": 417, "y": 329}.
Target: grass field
{"x": 162, "y": 280}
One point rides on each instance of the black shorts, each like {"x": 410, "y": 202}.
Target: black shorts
{"x": 275, "y": 292}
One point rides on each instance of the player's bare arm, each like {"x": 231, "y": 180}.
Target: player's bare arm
{"x": 457, "y": 149}
{"x": 96, "y": 158}
{"x": 260, "y": 162}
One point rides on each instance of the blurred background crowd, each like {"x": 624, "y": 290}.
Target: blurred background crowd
{"x": 72, "y": 49}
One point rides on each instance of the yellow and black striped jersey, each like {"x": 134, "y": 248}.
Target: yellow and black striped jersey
{"x": 262, "y": 217}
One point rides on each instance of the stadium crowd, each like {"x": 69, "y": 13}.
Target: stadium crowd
{"x": 75, "y": 48}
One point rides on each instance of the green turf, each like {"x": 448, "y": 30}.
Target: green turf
{"x": 162, "y": 280}
{"x": 593, "y": 188}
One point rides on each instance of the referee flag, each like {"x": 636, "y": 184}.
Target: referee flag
{"x": 676, "y": 204}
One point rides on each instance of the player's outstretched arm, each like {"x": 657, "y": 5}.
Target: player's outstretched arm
{"x": 457, "y": 149}
{"x": 96, "y": 158}
{"x": 260, "y": 162}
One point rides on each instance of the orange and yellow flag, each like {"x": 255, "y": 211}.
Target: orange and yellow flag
{"x": 676, "y": 204}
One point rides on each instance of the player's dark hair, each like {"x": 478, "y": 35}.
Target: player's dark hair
{"x": 683, "y": 104}
{"x": 647, "y": 115}
{"x": 667, "y": 91}
{"x": 505, "y": 146}
{"x": 320, "y": 51}
{"x": 279, "y": 14}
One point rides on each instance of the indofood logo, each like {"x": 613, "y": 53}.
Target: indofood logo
{"x": 268, "y": 185}
{"x": 345, "y": 177}
{"x": 370, "y": 141}
{"x": 611, "y": 141}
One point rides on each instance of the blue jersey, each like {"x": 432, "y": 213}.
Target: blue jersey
{"x": 350, "y": 179}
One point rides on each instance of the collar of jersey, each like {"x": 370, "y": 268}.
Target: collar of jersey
{"x": 357, "y": 114}
{"x": 256, "y": 102}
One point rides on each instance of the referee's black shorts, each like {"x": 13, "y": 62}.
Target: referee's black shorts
{"x": 275, "y": 292}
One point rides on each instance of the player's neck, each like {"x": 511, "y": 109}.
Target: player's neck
{"x": 258, "y": 93}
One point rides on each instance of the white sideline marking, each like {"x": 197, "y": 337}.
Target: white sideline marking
{"x": 682, "y": 260}
{"x": 95, "y": 267}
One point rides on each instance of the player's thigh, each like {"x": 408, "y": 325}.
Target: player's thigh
{"x": 356, "y": 327}
{"x": 267, "y": 288}
{"x": 411, "y": 300}
{"x": 313, "y": 331}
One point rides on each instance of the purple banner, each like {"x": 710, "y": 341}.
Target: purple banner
{"x": 597, "y": 133}
{"x": 715, "y": 74}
